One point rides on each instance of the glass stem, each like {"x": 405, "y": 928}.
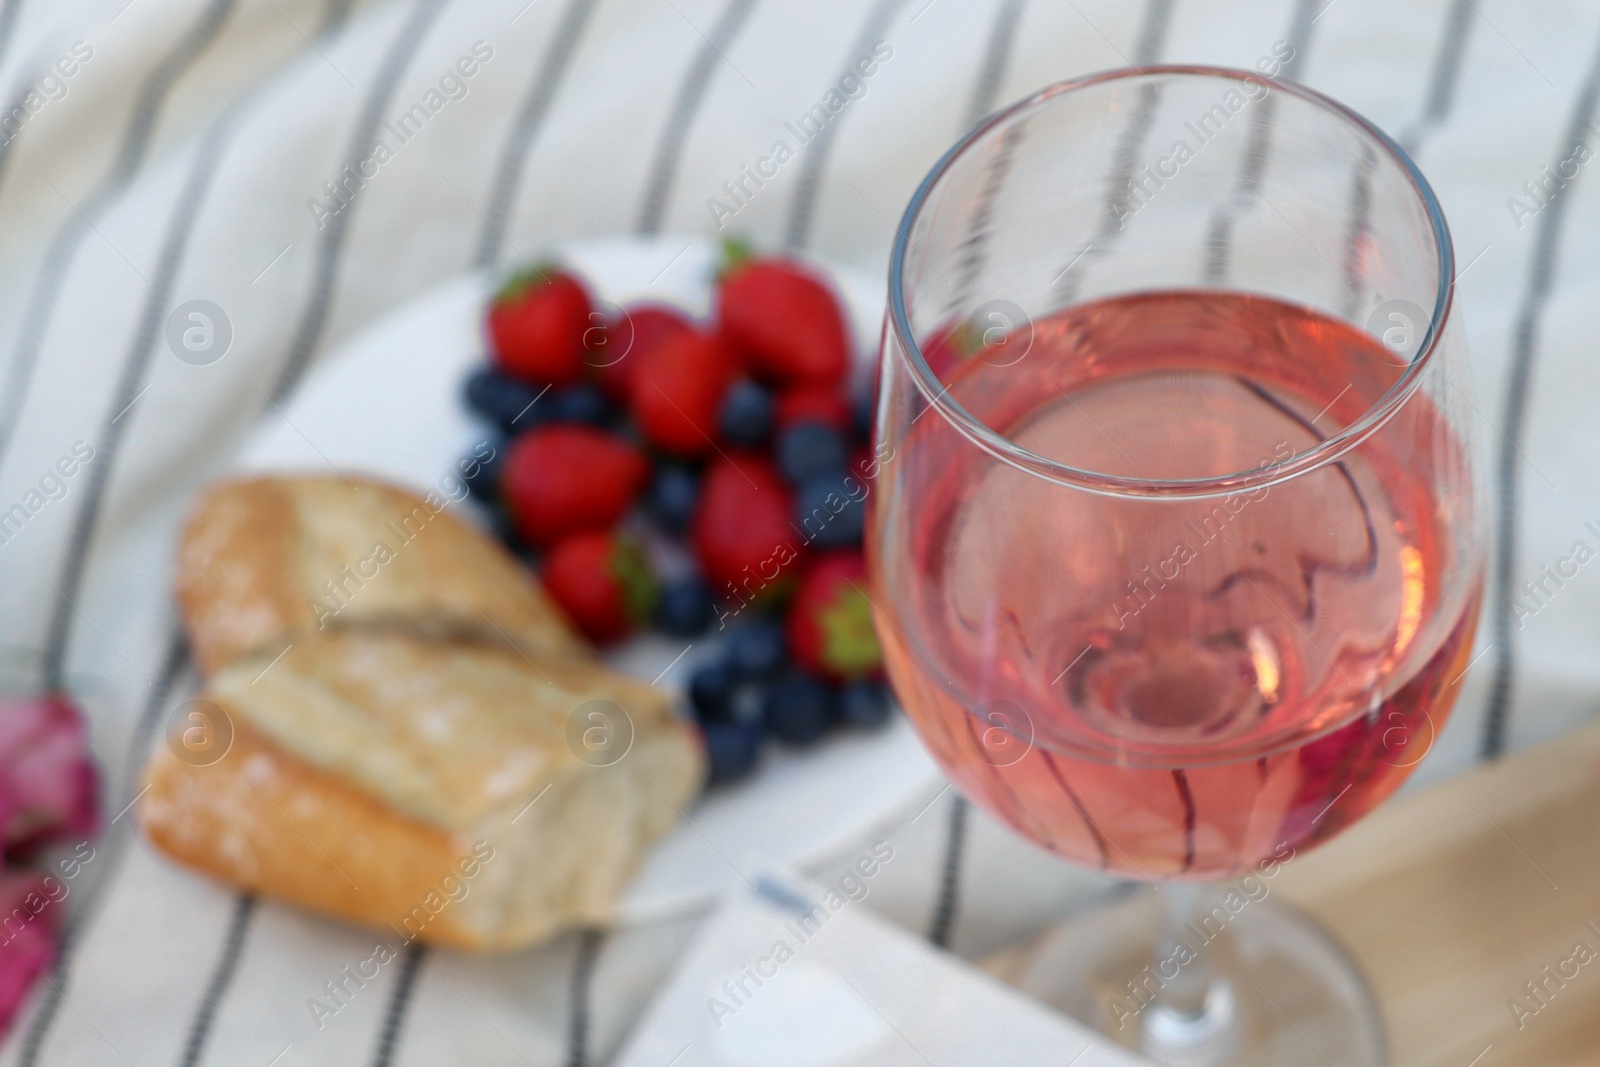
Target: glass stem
{"x": 1193, "y": 1021}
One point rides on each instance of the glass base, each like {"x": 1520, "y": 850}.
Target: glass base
{"x": 1283, "y": 992}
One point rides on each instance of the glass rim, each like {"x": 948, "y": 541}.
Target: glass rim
{"x": 1326, "y": 451}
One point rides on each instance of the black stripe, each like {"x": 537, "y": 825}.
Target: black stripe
{"x": 1356, "y": 226}
{"x": 1100, "y": 843}
{"x": 1301, "y": 32}
{"x": 1153, "y": 34}
{"x": 1124, "y": 159}
{"x": 394, "y": 1015}
{"x": 530, "y": 119}
{"x": 331, "y": 249}
{"x": 222, "y": 976}
{"x": 334, "y": 17}
{"x": 1181, "y": 780}
{"x": 1525, "y": 345}
{"x": 1219, "y": 240}
{"x": 80, "y": 223}
{"x": 691, "y": 91}
{"x": 798, "y": 232}
{"x": 944, "y": 908}
{"x": 578, "y": 1020}
{"x": 996, "y": 58}
{"x": 45, "y": 1016}
{"x": 135, "y": 368}
{"x": 1441, "y": 97}
{"x": 973, "y": 251}
{"x": 173, "y": 665}
{"x": 78, "y": 919}
{"x": 1446, "y": 72}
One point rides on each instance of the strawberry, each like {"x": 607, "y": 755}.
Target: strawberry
{"x": 782, "y": 321}
{"x": 677, "y": 392}
{"x": 603, "y": 582}
{"x": 826, "y": 404}
{"x": 623, "y": 345}
{"x": 741, "y": 530}
{"x": 864, "y": 464}
{"x": 830, "y": 625}
{"x": 1001, "y": 345}
{"x": 946, "y": 347}
{"x": 565, "y": 478}
{"x": 537, "y": 324}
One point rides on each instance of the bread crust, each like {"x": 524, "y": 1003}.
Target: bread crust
{"x": 263, "y": 559}
{"x": 266, "y": 821}
{"x": 370, "y": 769}
{"x": 409, "y": 718}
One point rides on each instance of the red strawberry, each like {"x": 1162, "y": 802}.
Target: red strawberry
{"x": 826, "y": 404}
{"x": 1000, "y": 343}
{"x": 603, "y": 582}
{"x": 537, "y": 324}
{"x": 741, "y": 529}
{"x": 830, "y": 621}
{"x": 784, "y": 323}
{"x": 622, "y": 347}
{"x": 677, "y": 390}
{"x": 564, "y": 479}
{"x": 946, "y": 347}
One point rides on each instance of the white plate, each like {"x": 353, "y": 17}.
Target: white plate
{"x": 389, "y": 403}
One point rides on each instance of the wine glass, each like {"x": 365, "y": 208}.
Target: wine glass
{"x": 1176, "y": 544}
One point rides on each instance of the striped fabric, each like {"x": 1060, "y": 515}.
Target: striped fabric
{"x": 158, "y": 151}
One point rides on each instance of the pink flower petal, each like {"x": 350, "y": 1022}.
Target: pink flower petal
{"x": 48, "y": 782}
{"x": 31, "y": 911}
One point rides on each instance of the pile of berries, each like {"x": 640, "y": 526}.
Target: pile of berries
{"x": 696, "y": 476}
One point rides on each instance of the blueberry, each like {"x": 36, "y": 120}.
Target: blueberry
{"x": 808, "y": 449}
{"x": 863, "y": 410}
{"x": 483, "y": 475}
{"x": 503, "y": 400}
{"x": 757, "y": 649}
{"x": 671, "y": 498}
{"x": 799, "y": 709}
{"x": 583, "y": 403}
{"x": 685, "y": 608}
{"x": 731, "y": 751}
{"x": 864, "y": 704}
{"x": 747, "y": 705}
{"x": 710, "y": 689}
{"x": 826, "y": 512}
{"x": 746, "y": 418}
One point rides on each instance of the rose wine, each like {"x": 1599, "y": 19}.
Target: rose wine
{"x": 1175, "y": 686}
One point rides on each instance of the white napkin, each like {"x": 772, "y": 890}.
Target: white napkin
{"x": 790, "y": 973}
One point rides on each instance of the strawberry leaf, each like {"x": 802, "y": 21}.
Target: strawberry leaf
{"x": 639, "y": 587}
{"x": 736, "y": 252}
{"x": 525, "y": 281}
{"x": 849, "y": 640}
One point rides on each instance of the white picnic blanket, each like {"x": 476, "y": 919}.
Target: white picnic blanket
{"x": 157, "y": 152}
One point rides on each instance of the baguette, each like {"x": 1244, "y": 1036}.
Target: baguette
{"x": 439, "y": 790}
{"x": 264, "y": 559}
